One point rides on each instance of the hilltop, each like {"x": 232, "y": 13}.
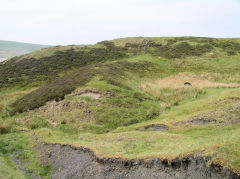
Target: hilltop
{"x": 131, "y": 107}
{"x": 10, "y": 49}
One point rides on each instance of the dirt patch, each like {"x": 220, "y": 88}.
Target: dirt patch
{"x": 94, "y": 94}
{"x": 22, "y": 165}
{"x": 73, "y": 162}
{"x": 156, "y": 127}
{"x": 202, "y": 121}
{"x": 76, "y": 109}
{"x": 197, "y": 121}
{"x": 91, "y": 95}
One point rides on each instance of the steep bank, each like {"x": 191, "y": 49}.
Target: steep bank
{"x": 75, "y": 162}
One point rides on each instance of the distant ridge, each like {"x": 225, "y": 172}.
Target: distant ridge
{"x": 10, "y": 49}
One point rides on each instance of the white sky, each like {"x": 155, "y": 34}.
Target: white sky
{"x": 64, "y": 22}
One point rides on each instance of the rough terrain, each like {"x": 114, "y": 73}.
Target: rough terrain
{"x": 141, "y": 107}
{"x": 72, "y": 162}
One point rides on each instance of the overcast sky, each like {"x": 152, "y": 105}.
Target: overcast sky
{"x": 64, "y": 22}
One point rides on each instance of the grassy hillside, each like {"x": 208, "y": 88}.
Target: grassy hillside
{"x": 124, "y": 98}
{"x": 10, "y": 49}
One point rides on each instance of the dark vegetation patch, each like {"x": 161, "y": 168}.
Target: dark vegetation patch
{"x": 19, "y": 71}
{"x": 180, "y": 50}
{"x": 156, "y": 127}
{"x": 115, "y": 72}
{"x": 181, "y": 47}
{"x": 230, "y": 47}
{"x": 200, "y": 40}
{"x": 55, "y": 90}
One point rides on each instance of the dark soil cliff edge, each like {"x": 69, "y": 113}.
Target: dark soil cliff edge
{"x": 68, "y": 162}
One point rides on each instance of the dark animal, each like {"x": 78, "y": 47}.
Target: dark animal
{"x": 187, "y": 84}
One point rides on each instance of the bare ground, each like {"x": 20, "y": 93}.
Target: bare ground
{"x": 156, "y": 127}
{"x": 69, "y": 162}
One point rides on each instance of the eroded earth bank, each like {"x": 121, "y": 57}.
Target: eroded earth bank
{"x": 76, "y": 162}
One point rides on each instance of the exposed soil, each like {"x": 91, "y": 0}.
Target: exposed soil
{"x": 80, "y": 109}
{"x": 94, "y": 94}
{"x": 22, "y": 165}
{"x": 156, "y": 127}
{"x": 91, "y": 95}
{"x": 197, "y": 121}
{"x": 69, "y": 162}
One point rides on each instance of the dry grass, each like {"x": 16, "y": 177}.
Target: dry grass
{"x": 171, "y": 90}
{"x": 73, "y": 110}
{"x": 177, "y": 82}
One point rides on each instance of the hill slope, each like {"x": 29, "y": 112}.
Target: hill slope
{"x": 10, "y": 49}
{"x": 134, "y": 104}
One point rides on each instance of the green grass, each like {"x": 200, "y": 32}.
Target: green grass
{"x": 20, "y": 146}
{"x": 8, "y": 169}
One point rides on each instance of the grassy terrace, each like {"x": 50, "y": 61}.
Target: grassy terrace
{"x": 124, "y": 98}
